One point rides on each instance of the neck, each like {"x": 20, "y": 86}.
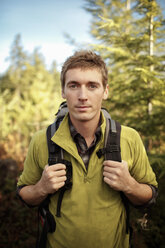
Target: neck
{"x": 87, "y": 129}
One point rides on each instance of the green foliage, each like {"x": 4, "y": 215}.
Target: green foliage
{"x": 18, "y": 223}
{"x": 131, "y": 38}
{"x": 153, "y": 234}
{"x": 29, "y": 97}
{"x": 156, "y": 236}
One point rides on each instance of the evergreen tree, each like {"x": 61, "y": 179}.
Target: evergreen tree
{"x": 29, "y": 97}
{"x": 130, "y": 37}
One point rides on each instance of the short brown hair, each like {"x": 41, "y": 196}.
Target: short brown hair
{"x": 85, "y": 59}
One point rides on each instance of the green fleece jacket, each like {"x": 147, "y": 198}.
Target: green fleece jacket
{"x": 92, "y": 214}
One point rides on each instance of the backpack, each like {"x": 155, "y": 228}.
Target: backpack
{"x": 111, "y": 151}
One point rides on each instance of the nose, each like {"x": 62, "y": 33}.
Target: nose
{"x": 82, "y": 94}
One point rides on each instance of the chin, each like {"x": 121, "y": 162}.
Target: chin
{"x": 84, "y": 118}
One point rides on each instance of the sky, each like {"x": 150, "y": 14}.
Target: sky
{"x": 42, "y": 24}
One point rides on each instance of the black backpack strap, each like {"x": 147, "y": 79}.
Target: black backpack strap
{"x": 55, "y": 155}
{"x": 67, "y": 186}
{"x": 112, "y": 151}
{"x": 49, "y": 224}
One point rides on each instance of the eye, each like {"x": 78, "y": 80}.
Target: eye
{"x": 92, "y": 85}
{"x": 72, "y": 85}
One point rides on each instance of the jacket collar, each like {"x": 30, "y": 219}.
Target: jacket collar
{"x": 63, "y": 138}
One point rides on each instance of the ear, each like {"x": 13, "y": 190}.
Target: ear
{"x": 106, "y": 92}
{"x": 63, "y": 94}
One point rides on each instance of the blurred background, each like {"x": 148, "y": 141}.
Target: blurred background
{"x": 36, "y": 38}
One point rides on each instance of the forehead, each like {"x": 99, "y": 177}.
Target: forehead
{"x": 83, "y": 75}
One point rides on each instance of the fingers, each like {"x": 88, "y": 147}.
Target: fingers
{"x": 58, "y": 182}
{"x": 53, "y": 177}
{"x": 56, "y": 173}
{"x": 56, "y": 166}
{"x": 55, "y": 170}
{"x": 110, "y": 175}
{"x": 112, "y": 166}
{"x": 109, "y": 182}
{"x": 115, "y": 174}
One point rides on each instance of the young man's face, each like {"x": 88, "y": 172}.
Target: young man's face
{"x": 84, "y": 93}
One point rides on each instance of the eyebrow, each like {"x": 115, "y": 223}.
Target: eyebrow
{"x": 89, "y": 82}
{"x": 72, "y": 82}
{"x": 94, "y": 82}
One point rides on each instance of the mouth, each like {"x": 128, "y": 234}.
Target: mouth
{"x": 82, "y": 107}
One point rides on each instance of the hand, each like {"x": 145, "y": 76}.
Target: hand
{"x": 116, "y": 175}
{"x": 53, "y": 178}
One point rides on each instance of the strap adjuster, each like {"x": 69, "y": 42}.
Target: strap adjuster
{"x": 110, "y": 149}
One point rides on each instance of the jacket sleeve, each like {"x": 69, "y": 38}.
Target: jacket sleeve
{"x": 35, "y": 161}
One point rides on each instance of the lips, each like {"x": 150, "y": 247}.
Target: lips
{"x": 82, "y": 107}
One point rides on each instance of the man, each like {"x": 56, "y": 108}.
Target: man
{"x": 92, "y": 213}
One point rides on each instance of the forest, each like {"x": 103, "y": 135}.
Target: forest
{"x": 130, "y": 36}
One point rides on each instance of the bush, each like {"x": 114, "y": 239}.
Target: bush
{"x": 153, "y": 234}
{"x": 18, "y": 223}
